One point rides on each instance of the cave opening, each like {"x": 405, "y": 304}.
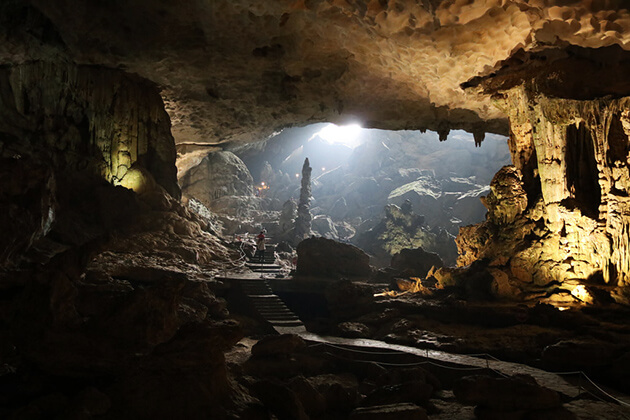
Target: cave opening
{"x": 383, "y": 191}
{"x": 581, "y": 170}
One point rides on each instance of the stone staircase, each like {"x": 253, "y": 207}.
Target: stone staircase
{"x": 268, "y": 305}
{"x": 265, "y": 265}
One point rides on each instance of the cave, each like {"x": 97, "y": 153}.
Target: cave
{"x": 154, "y": 265}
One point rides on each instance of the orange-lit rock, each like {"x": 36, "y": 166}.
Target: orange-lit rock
{"x": 239, "y": 69}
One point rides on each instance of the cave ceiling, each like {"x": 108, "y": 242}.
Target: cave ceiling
{"x": 238, "y": 70}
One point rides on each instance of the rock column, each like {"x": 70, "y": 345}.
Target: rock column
{"x": 303, "y": 220}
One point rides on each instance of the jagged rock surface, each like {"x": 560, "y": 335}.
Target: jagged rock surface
{"x": 222, "y": 182}
{"x": 240, "y": 70}
{"x": 96, "y": 121}
{"x": 401, "y": 229}
{"x": 572, "y": 167}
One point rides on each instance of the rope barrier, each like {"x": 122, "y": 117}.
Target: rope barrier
{"x": 611, "y": 397}
{"x": 607, "y": 403}
{"x": 604, "y": 392}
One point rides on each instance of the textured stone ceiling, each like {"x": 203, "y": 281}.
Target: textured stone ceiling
{"x": 237, "y": 70}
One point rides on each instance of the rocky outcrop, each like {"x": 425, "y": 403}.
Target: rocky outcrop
{"x": 222, "y": 182}
{"x": 107, "y": 279}
{"x": 234, "y": 70}
{"x": 517, "y": 397}
{"x": 402, "y": 229}
{"x": 134, "y": 304}
{"x": 321, "y": 257}
{"x": 91, "y": 121}
{"x": 562, "y": 213}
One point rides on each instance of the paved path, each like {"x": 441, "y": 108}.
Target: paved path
{"x": 584, "y": 408}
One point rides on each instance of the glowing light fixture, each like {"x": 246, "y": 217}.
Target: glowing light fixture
{"x": 582, "y": 294}
{"x": 342, "y": 134}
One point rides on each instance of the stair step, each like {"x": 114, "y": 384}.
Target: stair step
{"x": 275, "y": 311}
{"x": 287, "y": 323}
{"x": 282, "y": 318}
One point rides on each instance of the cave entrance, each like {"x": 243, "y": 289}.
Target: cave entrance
{"x": 380, "y": 190}
{"x": 581, "y": 170}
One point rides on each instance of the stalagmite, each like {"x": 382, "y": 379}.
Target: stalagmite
{"x": 303, "y": 220}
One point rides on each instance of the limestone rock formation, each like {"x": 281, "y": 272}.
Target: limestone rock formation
{"x": 286, "y": 221}
{"x": 507, "y": 199}
{"x": 238, "y": 70}
{"x": 95, "y": 121}
{"x": 563, "y": 209}
{"x": 222, "y": 182}
{"x": 399, "y": 230}
{"x": 303, "y": 220}
{"x": 416, "y": 262}
{"x": 517, "y": 396}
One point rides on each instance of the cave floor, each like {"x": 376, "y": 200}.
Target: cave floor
{"x": 500, "y": 338}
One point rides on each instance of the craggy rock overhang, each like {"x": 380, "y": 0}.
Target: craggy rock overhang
{"x": 236, "y": 70}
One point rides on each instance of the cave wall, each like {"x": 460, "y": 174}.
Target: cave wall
{"x": 567, "y": 196}
{"x": 88, "y": 119}
{"x": 107, "y": 302}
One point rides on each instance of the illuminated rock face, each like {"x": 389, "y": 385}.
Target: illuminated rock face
{"x": 88, "y": 121}
{"x": 572, "y": 167}
{"x": 238, "y": 69}
{"x": 222, "y": 183}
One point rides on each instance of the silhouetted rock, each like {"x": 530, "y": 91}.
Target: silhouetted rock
{"x": 416, "y": 262}
{"x": 278, "y": 345}
{"x": 321, "y": 257}
{"x": 516, "y": 393}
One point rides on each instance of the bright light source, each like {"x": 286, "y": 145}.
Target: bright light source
{"x": 582, "y": 294}
{"x": 341, "y": 134}
{"x": 297, "y": 175}
{"x": 323, "y": 169}
{"x": 262, "y": 183}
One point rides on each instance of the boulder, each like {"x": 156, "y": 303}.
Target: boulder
{"x": 320, "y": 257}
{"x": 580, "y": 353}
{"x": 276, "y": 345}
{"x": 416, "y": 262}
{"x": 280, "y": 400}
{"x": 353, "y": 330}
{"x": 339, "y": 390}
{"x": 417, "y": 392}
{"x": 516, "y": 393}
{"x": 312, "y": 400}
{"x": 221, "y": 181}
{"x": 347, "y": 299}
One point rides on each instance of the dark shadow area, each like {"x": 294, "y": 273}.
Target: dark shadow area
{"x": 582, "y": 170}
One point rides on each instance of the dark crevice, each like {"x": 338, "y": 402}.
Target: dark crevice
{"x": 581, "y": 171}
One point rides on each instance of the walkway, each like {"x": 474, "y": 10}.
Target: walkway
{"x": 271, "y": 308}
